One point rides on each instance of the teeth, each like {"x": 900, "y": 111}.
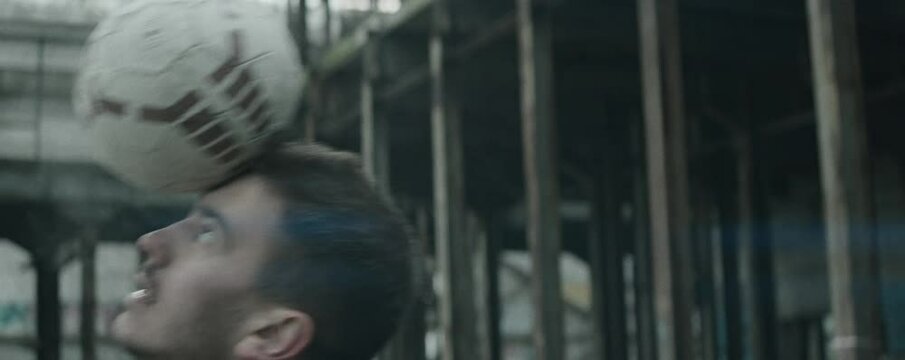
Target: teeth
{"x": 140, "y": 294}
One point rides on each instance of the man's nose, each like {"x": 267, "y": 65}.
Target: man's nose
{"x": 156, "y": 247}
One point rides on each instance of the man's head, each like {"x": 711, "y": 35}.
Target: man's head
{"x": 298, "y": 258}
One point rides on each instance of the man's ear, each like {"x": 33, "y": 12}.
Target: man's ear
{"x": 275, "y": 334}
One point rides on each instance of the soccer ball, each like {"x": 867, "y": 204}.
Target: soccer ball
{"x": 180, "y": 94}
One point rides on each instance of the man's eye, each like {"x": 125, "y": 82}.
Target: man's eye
{"x": 206, "y": 236}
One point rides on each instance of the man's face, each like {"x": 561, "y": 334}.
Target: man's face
{"x": 196, "y": 287}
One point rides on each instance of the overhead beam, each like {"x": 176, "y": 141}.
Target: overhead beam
{"x": 535, "y": 55}
{"x": 667, "y": 177}
{"x": 19, "y": 181}
{"x": 50, "y": 31}
{"x": 845, "y": 179}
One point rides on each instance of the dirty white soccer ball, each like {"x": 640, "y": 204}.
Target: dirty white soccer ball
{"x": 179, "y": 94}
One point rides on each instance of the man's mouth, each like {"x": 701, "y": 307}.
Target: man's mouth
{"x": 144, "y": 296}
{"x": 145, "y": 291}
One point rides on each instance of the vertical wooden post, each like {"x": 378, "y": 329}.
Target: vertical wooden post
{"x": 408, "y": 342}
{"x": 477, "y": 235}
{"x": 755, "y": 271}
{"x": 302, "y": 33}
{"x": 412, "y": 345}
{"x": 844, "y": 173}
{"x": 644, "y": 305}
{"x": 457, "y": 310}
{"x": 535, "y": 45}
{"x": 315, "y": 104}
{"x": 375, "y": 142}
{"x": 815, "y": 340}
{"x": 598, "y": 274}
{"x": 751, "y": 330}
{"x": 494, "y": 240}
{"x": 89, "y": 294}
{"x": 704, "y": 261}
{"x": 661, "y": 72}
{"x": 48, "y": 303}
{"x": 726, "y": 253}
{"x": 304, "y": 43}
{"x": 328, "y": 23}
{"x": 608, "y": 286}
{"x": 39, "y": 102}
{"x": 608, "y": 253}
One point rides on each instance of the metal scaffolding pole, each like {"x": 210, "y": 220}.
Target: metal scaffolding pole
{"x": 535, "y": 44}
{"x": 457, "y": 296}
{"x": 845, "y": 178}
{"x": 661, "y": 73}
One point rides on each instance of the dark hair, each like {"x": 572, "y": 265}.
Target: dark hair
{"x": 345, "y": 257}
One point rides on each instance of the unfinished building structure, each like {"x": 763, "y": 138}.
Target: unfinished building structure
{"x": 733, "y": 167}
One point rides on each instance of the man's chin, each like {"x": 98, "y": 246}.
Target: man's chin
{"x": 124, "y": 330}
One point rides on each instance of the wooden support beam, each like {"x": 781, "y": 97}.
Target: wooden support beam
{"x": 453, "y": 253}
{"x": 535, "y": 54}
{"x": 481, "y": 272}
{"x": 643, "y": 277}
{"x": 328, "y": 24}
{"x": 816, "y": 345}
{"x": 607, "y": 277}
{"x": 375, "y": 141}
{"x": 598, "y": 290}
{"x": 844, "y": 173}
{"x": 704, "y": 276}
{"x": 87, "y": 335}
{"x": 315, "y": 106}
{"x": 616, "y": 346}
{"x": 707, "y": 295}
{"x": 301, "y": 33}
{"x": 667, "y": 176}
{"x": 375, "y": 149}
{"x": 493, "y": 246}
{"x": 409, "y": 344}
{"x": 312, "y": 98}
{"x": 755, "y": 271}
{"x": 48, "y": 304}
{"x": 606, "y": 256}
{"x": 725, "y": 250}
